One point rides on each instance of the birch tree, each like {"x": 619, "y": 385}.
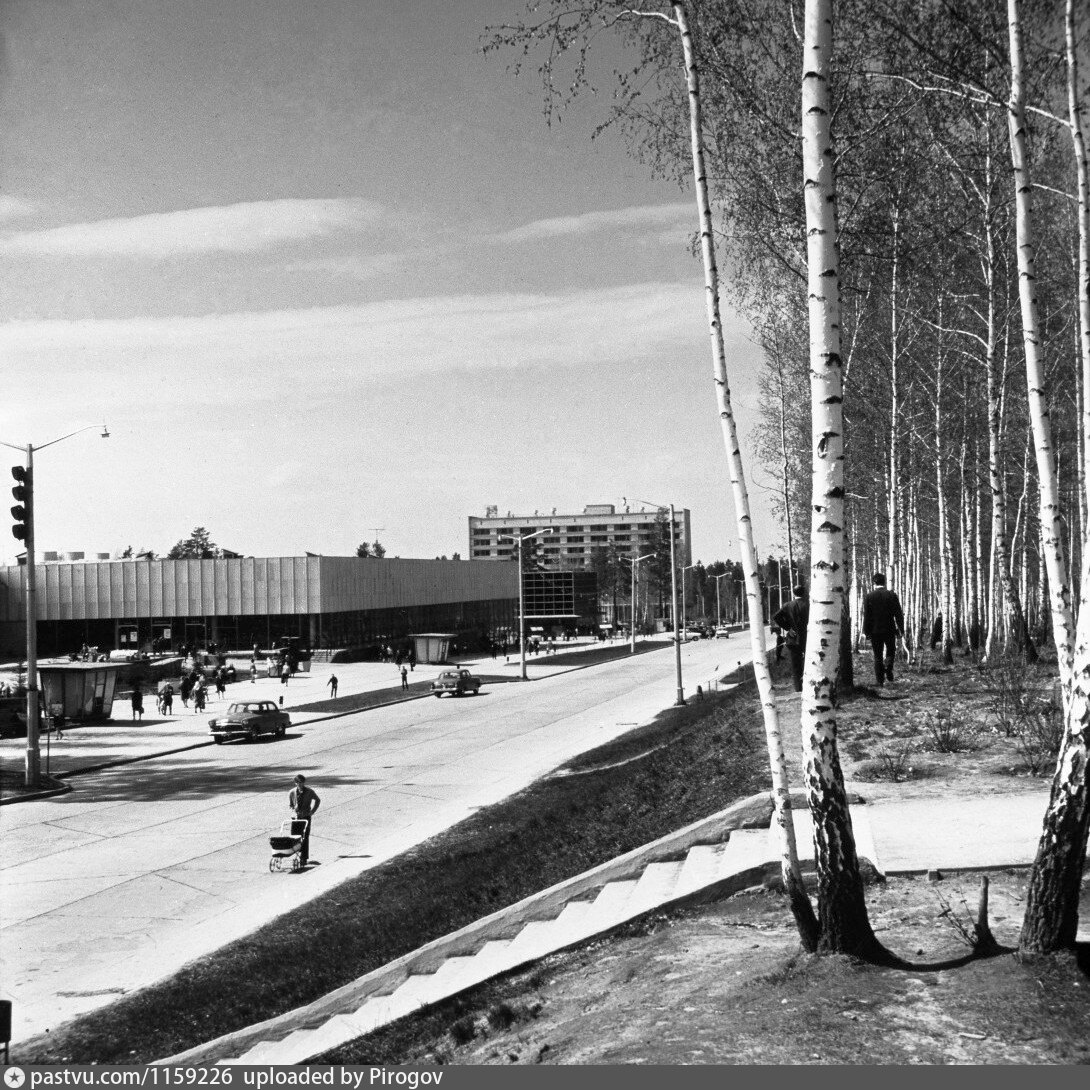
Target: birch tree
{"x": 842, "y": 912}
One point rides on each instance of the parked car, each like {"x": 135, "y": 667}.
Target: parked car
{"x": 722, "y": 632}
{"x": 456, "y": 683}
{"x": 692, "y": 632}
{"x": 249, "y": 719}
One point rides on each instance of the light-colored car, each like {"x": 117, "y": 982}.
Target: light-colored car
{"x": 249, "y": 719}
{"x": 722, "y": 631}
{"x": 456, "y": 683}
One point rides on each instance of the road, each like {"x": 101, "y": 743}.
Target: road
{"x": 146, "y": 866}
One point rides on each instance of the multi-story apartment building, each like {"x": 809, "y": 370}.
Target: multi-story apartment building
{"x": 576, "y": 537}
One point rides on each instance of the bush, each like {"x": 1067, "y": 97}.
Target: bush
{"x": 1039, "y": 738}
{"x": 948, "y": 732}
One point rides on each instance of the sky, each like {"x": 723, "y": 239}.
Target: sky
{"x": 327, "y": 275}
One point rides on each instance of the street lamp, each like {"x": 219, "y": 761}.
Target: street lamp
{"x": 522, "y": 620}
{"x": 718, "y": 608}
{"x": 23, "y": 530}
{"x": 684, "y": 611}
{"x": 673, "y": 599}
{"x": 634, "y": 561}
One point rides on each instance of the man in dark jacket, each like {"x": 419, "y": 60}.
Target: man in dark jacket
{"x": 883, "y": 622}
{"x": 792, "y": 620}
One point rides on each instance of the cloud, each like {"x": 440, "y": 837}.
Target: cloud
{"x": 639, "y": 219}
{"x": 233, "y": 228}
{"x": 341, "y": 352}
{"x": 13, "y": 208}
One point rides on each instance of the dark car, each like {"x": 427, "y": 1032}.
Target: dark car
{"x": 456, "y": 683}
{"x": 249, "y": 719}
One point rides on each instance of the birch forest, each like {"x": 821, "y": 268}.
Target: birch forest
{"x": 895, "y": 197}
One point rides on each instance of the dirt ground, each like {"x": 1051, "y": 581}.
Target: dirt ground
{"x": 726, "y": 983}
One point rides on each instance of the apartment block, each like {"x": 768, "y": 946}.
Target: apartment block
{"x": 570, "y": 540}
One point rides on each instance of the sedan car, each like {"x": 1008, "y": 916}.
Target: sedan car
{"x": 456, "y": 683}
{"x": 722, "y": 632}
{"x": 249, "y": 719}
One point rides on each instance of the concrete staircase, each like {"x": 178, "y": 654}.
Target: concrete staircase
{"x": 709, "y": 859}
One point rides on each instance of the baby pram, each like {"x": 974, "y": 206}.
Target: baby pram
{"x": 287, "y": 845}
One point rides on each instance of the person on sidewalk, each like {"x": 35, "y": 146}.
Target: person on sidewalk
{"x": 253, "y": 671}
{"x": 404, "y": 677}
{"x": 168, "y": 699}
{"x": 332, "y": 683}
{"x": 883, "y": 623}
{"x": 285, "y": 673}
{"x": 303, "y": 803}
{"x": 137, "y": 703}
{"x": 793, "y": 619}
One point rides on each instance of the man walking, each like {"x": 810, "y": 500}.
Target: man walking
{"x": 883, "y": 622}
{"x": 303, "y": 803}
{"x": 404, "y": 678}
{"x": 332, "y": 683}
{"x": 792, "y": 620}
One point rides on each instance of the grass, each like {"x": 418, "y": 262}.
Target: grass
{"x": 627, "y": 793}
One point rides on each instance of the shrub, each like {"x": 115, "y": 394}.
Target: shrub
{"x": 948, "y": 732}
{"x": 1039, "y": 738}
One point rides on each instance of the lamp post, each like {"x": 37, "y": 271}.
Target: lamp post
{"x": 522, "y": 619}
{"x": 673, "y": 600}
{"x": 684, "y": 611}
{"x": 634, "y": 561}
{"x": 24, "y": 531}
{"x": 718, "y": 608}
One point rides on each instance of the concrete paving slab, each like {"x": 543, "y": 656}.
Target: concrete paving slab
{"x": 954, "y": 833}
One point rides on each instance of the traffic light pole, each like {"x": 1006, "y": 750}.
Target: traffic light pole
{"x": 24, "y": 517}
{"x": 33, "y": 705}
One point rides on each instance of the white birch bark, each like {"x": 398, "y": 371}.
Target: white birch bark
{"x": 781, "y": 798}
{"x": 1074, "y": 112}
{"x": 841, "y": 906}
{"x": 1063, "y": 622}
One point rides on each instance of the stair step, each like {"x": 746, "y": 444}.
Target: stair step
{"x": 533, "y": 941}
{"x": 701, "y": 868}
{"x": 748, "y": 848}
{"x": 569, "y": 924}
{"x": 655, "y": 886}
{"x": 458, "y": 972}
{"x": 418, "y": 987}
{"x": 607, "y": 910}
{"x": 293, "y": 1048}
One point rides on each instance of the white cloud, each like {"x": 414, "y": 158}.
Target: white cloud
{"x": 654, "y": 217}
{"x": 338, "y": 352}
{"x": 234, "y": 228}
{"x": 13, "y": 208}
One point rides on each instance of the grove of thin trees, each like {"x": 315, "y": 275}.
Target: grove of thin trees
{"x": 895, "y": 196}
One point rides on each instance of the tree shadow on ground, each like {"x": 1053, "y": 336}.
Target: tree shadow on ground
{"x": 173, "y": 780}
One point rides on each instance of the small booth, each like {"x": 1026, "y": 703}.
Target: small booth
{"x": 78, "y": 690}
{"x": 432, "y": 646}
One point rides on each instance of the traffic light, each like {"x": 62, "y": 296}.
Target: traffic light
{"x": 24, "y": 493}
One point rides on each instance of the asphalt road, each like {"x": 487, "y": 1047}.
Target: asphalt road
{"x": 149, "y": 865}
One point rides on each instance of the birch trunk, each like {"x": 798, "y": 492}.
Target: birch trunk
{"x": 1074, "y": 111}
{"x": 1063, "y": 622}
{"x": 1052, "y": 899}
{"x": 1001, "y": 586}
{"x": 842, "y": 911}
{"x": 781, "y": 797}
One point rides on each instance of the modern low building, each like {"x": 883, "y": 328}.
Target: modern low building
{"x": 328, "y": 601}
{"x": 576, "y": 537}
